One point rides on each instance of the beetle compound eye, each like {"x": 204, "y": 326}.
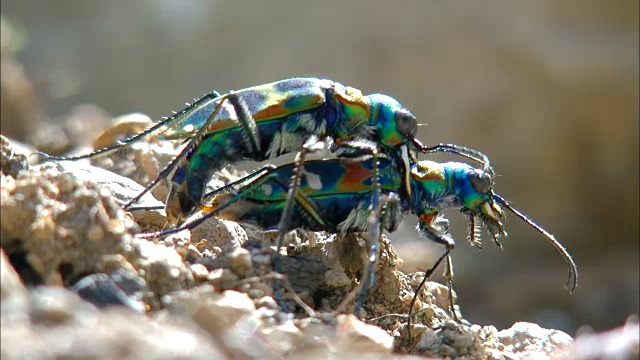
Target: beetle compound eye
{"x": 407, "y": 123}
{"x": 481, "y": 181}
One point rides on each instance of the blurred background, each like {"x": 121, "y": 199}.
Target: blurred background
{"x": 548, "y": 89}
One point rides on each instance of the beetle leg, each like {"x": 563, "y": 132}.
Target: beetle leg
{"x": 249, "y": 126}
{"x": 177, "y": 161}
{"x": 378, "y": 219}
{"x": 122, "y": 143}
{"x": 211, "y": 210}
{"x": 359, "y": 150}
{"x": 375, "y": 213}
{"x": 262, "y": 171}
{"x": 441, "y": 238}
{"x": 310, "y": 146}
{"x": 448, "y": 275}
{"x": 355, "y": 150}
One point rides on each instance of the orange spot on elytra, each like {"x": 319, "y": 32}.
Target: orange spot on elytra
{"x": 269, "y": 112}
{"x": 354, "y": 176}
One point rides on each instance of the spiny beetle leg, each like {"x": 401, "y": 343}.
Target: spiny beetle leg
{"x": 440, "y": 238}
{"x": 312, "y": 145}
{"x": 209, "y": 210}
{"x": 448, "y": 275}
{"x": 377, "y": 221}
{"x": 178, "y": 160}
{"x": 441, "y": 224}
{"x": 152, "y": 129}
{"x": 257, "y": 173}
{"x": 348, "y": 150}
{"x": 187, "y": 184}
{"x": 182, "y": 159}
{"x": 249, "y": 127}
{"x": 260, "y": 172}
{"x": 374, "y": 224}
{"x": 355, "y": 150}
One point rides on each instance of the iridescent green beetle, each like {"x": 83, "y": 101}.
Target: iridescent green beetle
{"x": 270, "y": 120}
{"x": 336, "y": 196}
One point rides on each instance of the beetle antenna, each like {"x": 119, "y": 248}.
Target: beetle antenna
{"x": 573, "y": 269}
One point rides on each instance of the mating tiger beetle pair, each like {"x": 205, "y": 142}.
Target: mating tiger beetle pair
{"x": 374, "y": 180}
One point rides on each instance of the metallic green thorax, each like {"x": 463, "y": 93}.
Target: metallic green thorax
{"x": 445, "y": 186}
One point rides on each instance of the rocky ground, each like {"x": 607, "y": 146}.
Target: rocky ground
{"x": 78, "y": 283}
